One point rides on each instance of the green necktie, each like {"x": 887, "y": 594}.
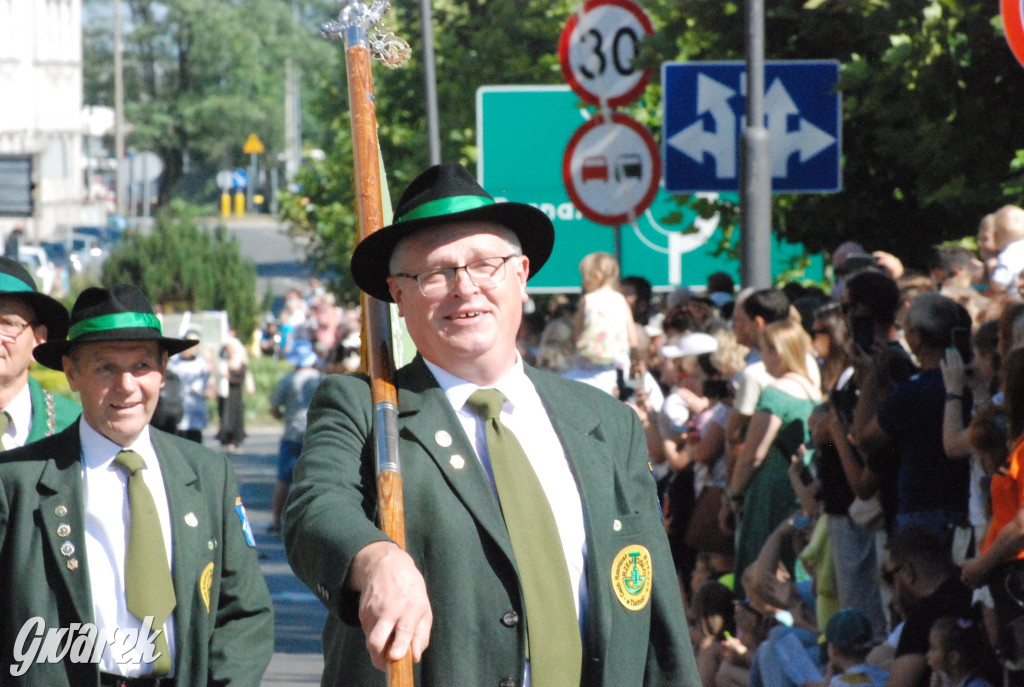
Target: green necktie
{"x": 5, "y": 422}
{"x": 554, "y": 647}
{"x": 148, "y": 587}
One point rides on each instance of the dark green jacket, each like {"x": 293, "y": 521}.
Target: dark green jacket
{"x": 456, "y": 535}
{"x": 50, "y": 413}
{"x": 228, "y": 644}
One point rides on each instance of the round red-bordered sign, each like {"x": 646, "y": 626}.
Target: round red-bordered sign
{"x": 597, "y": 48}
{"x": 611, "y": 169}
{"x": 1013, "y": 23}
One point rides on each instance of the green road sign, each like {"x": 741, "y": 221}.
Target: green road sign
{"x": 522, "y": 132}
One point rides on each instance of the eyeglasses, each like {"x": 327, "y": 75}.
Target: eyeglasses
{"x": 889, "y": 574}
{"x": 13, "y": 328}
{"x": 440, "y": 282}
{"x": 822, "y": 332}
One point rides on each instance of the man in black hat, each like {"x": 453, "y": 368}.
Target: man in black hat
{"x": 536, "y": 552}
{"x": 27, "y": 319}
{"x": 94, "y": 520}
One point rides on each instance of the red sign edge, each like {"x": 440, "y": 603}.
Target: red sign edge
{"x": 648, "y": 198}
{"x": 566, "y": 38}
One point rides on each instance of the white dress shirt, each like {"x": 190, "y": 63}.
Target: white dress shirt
{"x": 20, "y": 411}
{"x": 105, "y": 493}
{"x": 525, "y": 416}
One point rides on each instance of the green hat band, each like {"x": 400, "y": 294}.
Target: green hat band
{"x": 121, "y": 320}
{"x": 446, "y": 206}
{"x": 12, "y": 284}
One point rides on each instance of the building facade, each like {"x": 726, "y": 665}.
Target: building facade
{"x": 41, "y": 109}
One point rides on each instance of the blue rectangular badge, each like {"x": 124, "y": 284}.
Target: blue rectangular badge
{"x": 246, "y": 527}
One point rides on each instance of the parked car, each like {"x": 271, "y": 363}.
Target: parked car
{"x": 59, "y": 254}
{"x": 61, "y": 258}
{"x": 39, "y": 266}
{"x": 108, "y": 236}
{"x": 89, "y": 252}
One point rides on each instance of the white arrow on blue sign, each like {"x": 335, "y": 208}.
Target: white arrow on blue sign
{"x": 705, "y": 108}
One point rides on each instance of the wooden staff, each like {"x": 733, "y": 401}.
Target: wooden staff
{"x": 354, "y": 21}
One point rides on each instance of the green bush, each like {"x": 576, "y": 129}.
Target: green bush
{"x": 52, "y": 380}
{"x": 181, "y": 267}
{"x": 266, "y": 373}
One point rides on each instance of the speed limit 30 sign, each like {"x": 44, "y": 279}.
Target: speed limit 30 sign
{"x": 597, "y": 48}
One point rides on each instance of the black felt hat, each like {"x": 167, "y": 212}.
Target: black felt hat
{"x": 16, "y": 281}
{"x": 442, "y": 194}
{"x": 120, "y": 313}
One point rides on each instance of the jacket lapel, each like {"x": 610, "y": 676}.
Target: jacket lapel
{"x": 39, "y": 411}
{"x": 62, "y": 511}
{"x": 425, "y": 411}
{"x": 183, "y": 497}
{"x": 587, "y": 452}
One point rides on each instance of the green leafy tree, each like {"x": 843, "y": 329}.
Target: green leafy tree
{"x": 930, "y": 104}
{"x": 477, "y": 43}
{"x": 184, "y": 267}
{"x": 200, "y": 76}
{"x": 929, "y": 110}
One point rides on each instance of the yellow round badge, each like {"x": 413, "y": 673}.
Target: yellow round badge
{"x": 205, "y": 582}
{"x": 632, "y": 575}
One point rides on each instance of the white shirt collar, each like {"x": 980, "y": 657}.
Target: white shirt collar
{"x": 20, "y": 410}
{"x": 513, "y": 384}
{"x": 98, "y": 451}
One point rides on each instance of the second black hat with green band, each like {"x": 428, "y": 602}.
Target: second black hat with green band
{"x": 120, "y": 313}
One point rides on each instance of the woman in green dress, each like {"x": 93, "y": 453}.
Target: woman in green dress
{"x": 760, "y": 481}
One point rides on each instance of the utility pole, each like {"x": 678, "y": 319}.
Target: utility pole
{"x": 292, "y": 122}
{"x": 430, "y": 79}
{"x": 292, "y": 114}
{"x": 119, "y": 114}
{"x": 755, "y": 163}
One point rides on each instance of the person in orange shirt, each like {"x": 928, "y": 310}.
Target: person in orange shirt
{"x": 1001, "y": 562}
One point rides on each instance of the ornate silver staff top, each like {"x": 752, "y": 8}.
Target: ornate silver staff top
{"x": 356, "y": 19}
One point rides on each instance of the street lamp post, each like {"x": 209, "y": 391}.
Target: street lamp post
{"x": 430, "y": 81}
{"x": 756, "y": 164}
{"x": 119, "y": 113}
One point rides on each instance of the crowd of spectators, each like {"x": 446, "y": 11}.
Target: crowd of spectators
{"x": 839, "y": 471}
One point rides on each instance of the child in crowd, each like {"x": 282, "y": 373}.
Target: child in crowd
{"x": 958, "y": 654}
{"x": 1009, "y": 241}
{"x": 849, "y": 639}
{"x": 605, "y": 334}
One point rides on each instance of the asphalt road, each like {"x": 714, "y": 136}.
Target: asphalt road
{"x": 280, "y": 262}
{"x": 298, "y": 615}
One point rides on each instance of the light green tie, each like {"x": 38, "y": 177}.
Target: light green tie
{"x": 554, "y": 647}
{"x": 148, "y": 587}
{"x": 5, "y": 422}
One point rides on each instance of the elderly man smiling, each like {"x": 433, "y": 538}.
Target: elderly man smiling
{"x": 536, "y": 553}
{"x": 116, "y": 526}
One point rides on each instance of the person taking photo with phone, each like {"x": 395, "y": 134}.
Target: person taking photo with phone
{"x": 906, "y": 427}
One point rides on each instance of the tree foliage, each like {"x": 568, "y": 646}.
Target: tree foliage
{"x": 200, "y": 76}
{"x": 931, "y": 95}
{"x": 181, "y": 267}
{"x": 930, "y": 98}
{"x": 478, "y": 42}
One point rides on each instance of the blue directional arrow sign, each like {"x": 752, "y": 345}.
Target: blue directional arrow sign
{"x": 705, "y": 109}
